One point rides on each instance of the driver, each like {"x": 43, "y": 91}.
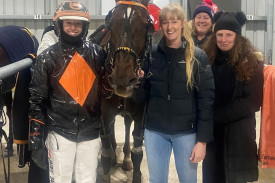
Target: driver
{"x": 65, "y": 99}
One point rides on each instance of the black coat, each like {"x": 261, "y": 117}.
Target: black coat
{"x": 172, "y": 109}
{"x": 200, "y": 43}
{"x": 232, "y": 157}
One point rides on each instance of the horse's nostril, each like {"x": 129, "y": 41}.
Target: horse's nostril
{"x": 111, "y": 81}
{"x": 132, "y": 82}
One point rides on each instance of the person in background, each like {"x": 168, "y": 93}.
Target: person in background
{"x": 237, "y": 70}
{"x": 180, "y": 105}
{"x": 48, "y": 39}
{"x": 202, "y": 22}
{"x": 65, "y": 99}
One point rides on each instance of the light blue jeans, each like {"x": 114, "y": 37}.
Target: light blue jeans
{"x": 158, "y": 147}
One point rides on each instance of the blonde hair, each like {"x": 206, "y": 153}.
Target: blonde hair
{"x": 175, "y": 10}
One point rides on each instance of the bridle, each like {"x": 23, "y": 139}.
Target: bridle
{"x": 112, "y": 50}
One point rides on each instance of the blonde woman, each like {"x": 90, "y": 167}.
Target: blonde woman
{"x": 179, "y": 110}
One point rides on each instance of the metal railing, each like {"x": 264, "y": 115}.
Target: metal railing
{"x": 15, "y": 67}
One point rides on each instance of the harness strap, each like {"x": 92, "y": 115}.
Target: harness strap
{"x": 132, "y": 3}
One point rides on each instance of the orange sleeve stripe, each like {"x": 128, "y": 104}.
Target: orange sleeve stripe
{"x": 37, "y": 121}
{"x": 34, "y": 134}
{"x": 32, "y": 55}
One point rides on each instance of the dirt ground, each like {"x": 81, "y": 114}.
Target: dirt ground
{"x": 19, "y": 175}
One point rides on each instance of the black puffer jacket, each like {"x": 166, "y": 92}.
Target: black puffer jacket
{"x": 200, "y": 43}
{"x": 172, "y": 109}
{"x": 65, "y": 91}
{"x": 235, "y": 123}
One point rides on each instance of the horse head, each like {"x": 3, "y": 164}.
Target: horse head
{"x": 130, "y": 23}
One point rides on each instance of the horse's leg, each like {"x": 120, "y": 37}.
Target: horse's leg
{"x": 113, "y": 142}
{"x": 106, "y": 157}
{"x": 127, "y": 164}
{"x": 107, "y": 153}
{"x": 137, "y": 152}
{"x": 136, "y": 156}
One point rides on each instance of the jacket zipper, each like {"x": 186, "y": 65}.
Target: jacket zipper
{"x": 169, "y": 80}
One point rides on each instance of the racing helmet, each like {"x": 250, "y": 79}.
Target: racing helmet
{"x": 71, "y": 10}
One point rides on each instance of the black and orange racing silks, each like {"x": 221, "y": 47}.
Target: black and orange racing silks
{"x": 66, "y": 92}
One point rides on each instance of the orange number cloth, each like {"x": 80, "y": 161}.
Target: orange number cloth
{"x": 267, "y": 136}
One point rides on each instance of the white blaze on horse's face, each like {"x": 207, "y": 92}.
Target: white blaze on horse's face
{"x": 127, "y": 45}
{"x": 129, "y": 9}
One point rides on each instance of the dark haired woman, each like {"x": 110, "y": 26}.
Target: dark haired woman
{"x": 232, "y": 157}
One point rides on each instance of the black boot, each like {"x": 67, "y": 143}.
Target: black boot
{"x": 136, "y": 159}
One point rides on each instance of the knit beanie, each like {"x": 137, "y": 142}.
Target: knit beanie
{"x": 206, "y": 6}
{"x": 229, "y": 21}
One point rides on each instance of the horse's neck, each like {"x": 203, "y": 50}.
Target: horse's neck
{"x": 4, "y": 59}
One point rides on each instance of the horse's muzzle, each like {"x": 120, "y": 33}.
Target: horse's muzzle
{"x": 123, "y": 88}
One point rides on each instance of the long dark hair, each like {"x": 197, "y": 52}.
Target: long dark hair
{"x": 244, "y": 57}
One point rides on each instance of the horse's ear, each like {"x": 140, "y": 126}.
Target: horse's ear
{"x": 144, "y": 2}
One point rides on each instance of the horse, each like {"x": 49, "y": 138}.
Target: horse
{"x": 127, "y": 39}
{"x": 16, "y": 44}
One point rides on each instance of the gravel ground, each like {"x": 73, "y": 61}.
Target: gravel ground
{"x": 19, "y": 175}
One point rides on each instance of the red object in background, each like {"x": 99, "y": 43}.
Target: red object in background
{"x": 267, "y": 135}
{"x": 215, "y": 8}
{"x": 154, "y": 14}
